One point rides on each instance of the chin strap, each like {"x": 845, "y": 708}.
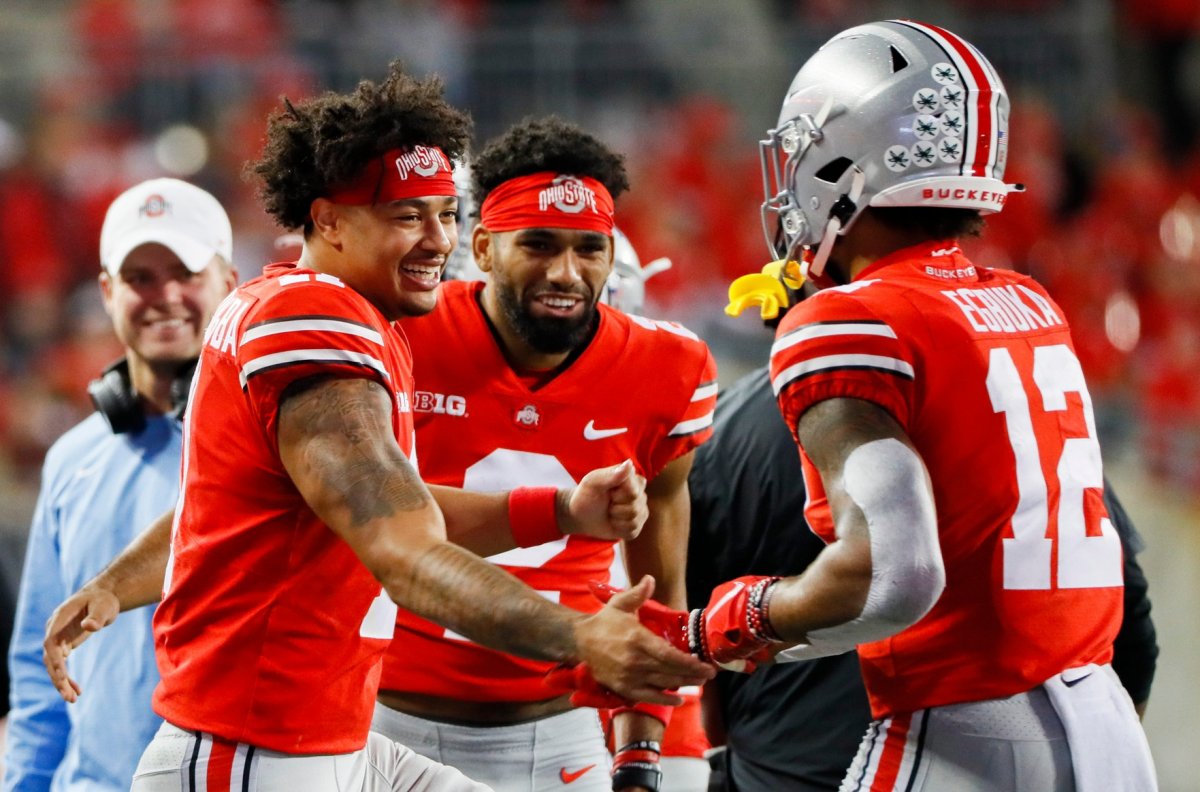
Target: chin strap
{"x": 838, "y": 214}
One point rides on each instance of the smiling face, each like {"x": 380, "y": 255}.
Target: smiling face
{"x": 543, "y": 284}
{"x": 159, "y": 308}
{"x": 391, "y": 253}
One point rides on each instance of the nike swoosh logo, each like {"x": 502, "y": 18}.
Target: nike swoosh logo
{"x": 1075, "y": 681}
{"x": 590, "y": 432}
{"x": 568, "y": 778}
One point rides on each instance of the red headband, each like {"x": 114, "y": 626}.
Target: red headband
{"x": 409, "y": 173}
{"x": 549, "y": 200}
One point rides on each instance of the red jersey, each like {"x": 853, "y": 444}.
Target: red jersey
{"x": 978, "y": 367}
{"x": 271, "y": 630}
{"x": 641, "y": 390}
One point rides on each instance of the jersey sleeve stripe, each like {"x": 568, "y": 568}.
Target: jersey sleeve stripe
{"x": 311, "y": 323}
{"x": 705, "y": 391}
{"x": 809, "y": 332}
{"x": 806, "y": 368}
{"x": 691, "y": 426}
{"x": 310, "y": 356}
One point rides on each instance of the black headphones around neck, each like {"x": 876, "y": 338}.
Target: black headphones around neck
{"x": 113, "y": 395}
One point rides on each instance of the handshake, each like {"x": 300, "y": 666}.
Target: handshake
{"x": 732, "y": 632}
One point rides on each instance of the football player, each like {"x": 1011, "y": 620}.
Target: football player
{"x": 946, "y": 437}
{"x": 527, "y": 377}
{"x": 302, "y": 521}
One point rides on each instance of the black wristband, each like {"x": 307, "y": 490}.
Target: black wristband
{"x": 637, "y": 774}
{"x": 640, "y": 766}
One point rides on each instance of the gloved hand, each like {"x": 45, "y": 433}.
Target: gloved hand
{"x": 667, "y": 622}
{"x": 584, "y": 689}
{"x": 731, "y": 632}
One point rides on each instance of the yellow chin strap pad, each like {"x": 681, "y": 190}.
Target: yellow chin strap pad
{"x": 766, "y": 289}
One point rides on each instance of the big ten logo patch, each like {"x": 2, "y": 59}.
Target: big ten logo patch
{"x": 439, "y": 403}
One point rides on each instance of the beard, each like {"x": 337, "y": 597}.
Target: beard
{"x": 548, "y": 335}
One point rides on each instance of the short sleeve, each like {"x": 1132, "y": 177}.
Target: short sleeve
{"x": 694, "y": 418}
{"x": 303, "y": 330}
{"x": 836, "y": 345}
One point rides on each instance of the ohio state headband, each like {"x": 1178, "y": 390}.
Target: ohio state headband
{"x": 549, "y": 200}
{"x": 396, "y": 175}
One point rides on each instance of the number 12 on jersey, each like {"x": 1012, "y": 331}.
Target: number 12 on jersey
{"x": 1084, "y": 561}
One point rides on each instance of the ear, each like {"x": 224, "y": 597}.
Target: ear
{"x": 229, "y": 277}
{"x": 326, "y": 217}
{"x": 482, "y": 246}
{"x": 106, "y": 291}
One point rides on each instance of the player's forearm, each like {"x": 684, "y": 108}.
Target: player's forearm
{"x": 660, "y": 551}
{"x": 452, "y": 587}
{"x": 629, "y": 726}
{"x": 831, "y": 591}
{"x": 661, "y": 548}
{"x": 407, "y": 551}
{"x": 135, "y": 577}
{"x": 479, "y": 521}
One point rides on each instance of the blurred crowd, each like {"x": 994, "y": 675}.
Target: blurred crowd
{"x": 1110, "y": 221}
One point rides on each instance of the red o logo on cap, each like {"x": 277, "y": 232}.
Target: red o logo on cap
{"x": 155, "y": 206}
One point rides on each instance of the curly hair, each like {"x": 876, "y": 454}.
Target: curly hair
{"x": 545, "y": 144}
{"x": 327, "y": 140}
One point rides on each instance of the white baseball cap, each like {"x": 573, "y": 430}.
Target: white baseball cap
{"x": 173, "y": 213}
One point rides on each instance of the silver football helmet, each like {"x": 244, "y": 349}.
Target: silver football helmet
{"x": 895, "y": 113}
{"x": 626, "y": 286}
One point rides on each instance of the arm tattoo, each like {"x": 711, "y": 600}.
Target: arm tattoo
{"x": 341, "y": 432}
{"x": 447, "y": 584}
{"x": 349, "y": 446}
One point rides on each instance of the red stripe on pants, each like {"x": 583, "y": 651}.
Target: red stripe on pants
{"x": 220, "y": 764}
{"x": 892, "y": 755}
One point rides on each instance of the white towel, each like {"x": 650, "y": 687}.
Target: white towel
{"x": 1108, "y": 747}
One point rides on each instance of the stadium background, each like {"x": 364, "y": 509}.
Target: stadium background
{"x": 98, "y": 94}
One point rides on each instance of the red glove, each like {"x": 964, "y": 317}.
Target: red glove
{"x": 654, "y": 616}
{"x": 732, "y": 632}
{"x": 734, "y": 626}
{"x": 584, "y": 689}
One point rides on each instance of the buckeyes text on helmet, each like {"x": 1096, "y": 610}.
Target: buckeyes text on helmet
{"x": 895, "y": 113}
